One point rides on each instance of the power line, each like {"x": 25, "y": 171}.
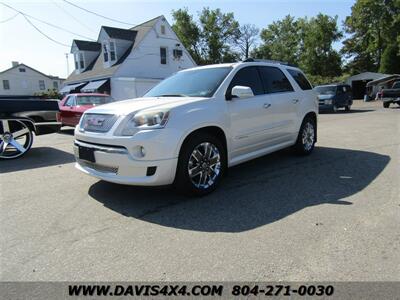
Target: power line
{"x": 51, "y": 39}
{"x": 72, "y": 16}
{"x": 44, "y": 22}
{"x": 10, "y": 18}
{"x": 96, "y": 14}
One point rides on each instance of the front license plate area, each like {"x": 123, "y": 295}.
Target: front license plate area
{"x": 86, "y": 153}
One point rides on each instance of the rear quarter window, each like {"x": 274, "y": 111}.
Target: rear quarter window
{"x": 301, "y": 80}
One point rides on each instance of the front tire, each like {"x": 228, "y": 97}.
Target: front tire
{"x": 386, "y": 104}
{"x": 335, "y": 108}
{"x": 307, "y": 137}
{"x": 347, "y": 108}
{"x": 201, "y": 165}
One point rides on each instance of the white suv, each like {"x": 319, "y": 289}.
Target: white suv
{"x": 193, "y": 125}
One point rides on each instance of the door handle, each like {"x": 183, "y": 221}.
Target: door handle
{"x": 295, "y": 101}
{"x": 266, "y": 105}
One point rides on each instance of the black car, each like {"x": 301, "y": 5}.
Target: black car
{"x": 334, "y": 96}
{"x": 391, "y": 95}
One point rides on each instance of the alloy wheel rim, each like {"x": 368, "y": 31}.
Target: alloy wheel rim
{"x": 204, "y": 165}
{"x": 308, "y": 136}
{"x": 14, "y": 140}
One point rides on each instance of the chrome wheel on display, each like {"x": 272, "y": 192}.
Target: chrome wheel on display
{"x": 204, "y": 165}
{"x": 308, "y": 136}
{"x": 15, "y": 139}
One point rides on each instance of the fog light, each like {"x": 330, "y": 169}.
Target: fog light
{"x": 139, "y": 151}
{"x": 142, "y": 151}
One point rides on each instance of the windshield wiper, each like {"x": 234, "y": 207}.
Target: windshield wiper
{"x": 173, "y": 95}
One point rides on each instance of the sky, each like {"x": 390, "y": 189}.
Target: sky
{"x": 19, "y": 41}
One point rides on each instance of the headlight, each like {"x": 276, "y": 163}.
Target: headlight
{"x": 147, "y": 119}
{"x": 328, "y": 102}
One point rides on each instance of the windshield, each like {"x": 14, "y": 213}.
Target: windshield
{"x": 326, "y": 90}
{"x": 191, "y": 83}
{"x": 93, "y": 100}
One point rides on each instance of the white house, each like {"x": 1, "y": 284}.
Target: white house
{"x": 126, "y": 63}
{"x": 22, "y": 80}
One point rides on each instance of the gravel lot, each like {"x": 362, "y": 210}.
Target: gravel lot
{"x": 334, "y": 215}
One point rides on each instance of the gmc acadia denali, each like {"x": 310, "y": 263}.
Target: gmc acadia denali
{"x": 195, "y": 124}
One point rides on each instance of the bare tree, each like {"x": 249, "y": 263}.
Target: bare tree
{"x": 247, "y": 39}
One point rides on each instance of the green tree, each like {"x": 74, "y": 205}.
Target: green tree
{"x": 317, "y": 57}
{"x": 280, "y": 41}
{"x": 218, "y": 31}
{"x": 373, "y": 26}
{"x": 188, "y": 32}
{"x": 212, "y": 39}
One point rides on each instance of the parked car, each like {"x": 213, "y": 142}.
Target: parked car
{"x": 391, "y": 95}
{"x": 73, "y": 106}
{"x": 17, "y": 129}
{"x": 334, "y": 96}
{"x": 193, "y": 125}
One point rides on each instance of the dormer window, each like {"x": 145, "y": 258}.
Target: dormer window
{"x": 105, "y": 52}
{"x": 109, "y": 52}
{"x": 79, "y": 61}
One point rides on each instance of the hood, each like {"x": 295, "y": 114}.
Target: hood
{"x": 325, "y": 97}
{"x": 126, "y": 107}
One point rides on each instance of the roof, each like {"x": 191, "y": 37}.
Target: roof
{"x": 87, "y": 45}
{"x": 96, "y": 69}
{"x": 19, "y": 65}
{"x": 119, "y": 33}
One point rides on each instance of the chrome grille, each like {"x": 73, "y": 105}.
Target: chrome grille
{"x": 97, "y": 122}
{"x": 97, "y": 167}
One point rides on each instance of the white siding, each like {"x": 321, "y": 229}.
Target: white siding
{"x": 144, "y": 60}
{"x": 25, "y": 83}
{"x": 128, "y": 88}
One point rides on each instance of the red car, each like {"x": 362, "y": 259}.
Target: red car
{"x": 74, "y": 105}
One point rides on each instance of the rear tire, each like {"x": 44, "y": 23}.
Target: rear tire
{"x": 386, "y": 104}
{"x": 16, "y": 139}
{"x": 201, "y": 165}
{"x": 347, "y": 108}
{"x": 306, "y": 138}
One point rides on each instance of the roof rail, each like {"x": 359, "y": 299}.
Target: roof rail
{"x": 268, "y": 61}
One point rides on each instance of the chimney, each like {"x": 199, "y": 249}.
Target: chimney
{"x": 14, "y": 63}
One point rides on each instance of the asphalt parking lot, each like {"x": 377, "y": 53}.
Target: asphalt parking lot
{"x": 334, "y": 215}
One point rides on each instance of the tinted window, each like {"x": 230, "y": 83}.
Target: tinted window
{"x": 274, "y": 80}
{"x": 191, "y": 83}
{"x": 69, "y": 101}
{"x": 93, "y": 100}
{"x": 300, "y": 79}
{"x": 247, "y": 77}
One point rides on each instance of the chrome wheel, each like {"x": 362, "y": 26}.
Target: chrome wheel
{"x": 15, "y": 139}
{"x": 204, "y": 165}
{"x": 308, "y": 136}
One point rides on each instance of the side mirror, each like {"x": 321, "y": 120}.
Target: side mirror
{"x": 242, "y": 92}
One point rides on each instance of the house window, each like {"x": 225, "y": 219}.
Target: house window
{"x": 163, "y": 55}
{"x": 177, "y": 53}
{"x": 6, "y": 84}
{"x": 112, "y": 51}
{"x": 41, "y": 85}
{"x": 55, "y": 84}
{"x": 22, "y": 69}
{"x": 105, "y": 53}
{"x": 81, "y": 61}
{"x": 162, "y": 29}
{"x": 76, "y": 61}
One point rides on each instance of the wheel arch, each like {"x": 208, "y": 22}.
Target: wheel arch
{"x": 213, "y": 130}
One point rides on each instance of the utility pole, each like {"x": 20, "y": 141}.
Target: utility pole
{"x": 66, "y": 57}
